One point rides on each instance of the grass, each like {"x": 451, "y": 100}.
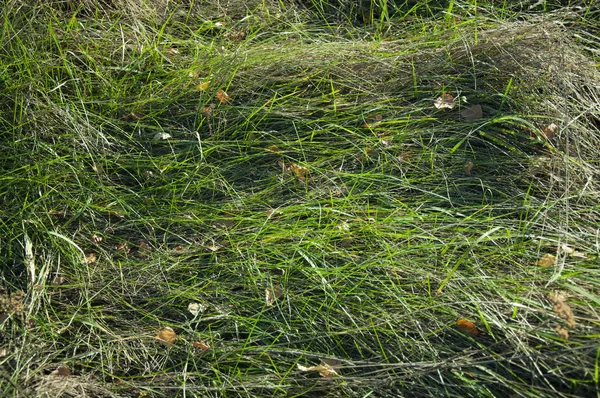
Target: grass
{"x": 325, "y": 213}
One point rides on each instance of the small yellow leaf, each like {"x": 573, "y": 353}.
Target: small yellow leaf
{"x": 90, "y": 259}
{"x": 547, "y": 260}
{"x": 203, "y": 86}
{"x": 167, "y": 336}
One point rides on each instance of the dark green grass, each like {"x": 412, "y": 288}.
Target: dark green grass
{"x": 379, "y": 248}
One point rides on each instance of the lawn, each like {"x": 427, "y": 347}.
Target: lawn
{"x": 299, "y": 198}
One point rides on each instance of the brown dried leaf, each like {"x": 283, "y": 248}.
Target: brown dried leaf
{"x": 468, "y": 327}
{"x": 300, "y": 171}
{"x": 58, "y": 280}
{"x": 144, "y": 246}
{"x": 123, "y": 248}
{"x": 201, "y": 345}
{"x": 273, "y": 294}
{"x": 61, "y": 371}
{"x": 222, "y": 96}
{"x": 562, "y": 308}
{"x": 562, "y": 332}
{"x": 207, "y": 111}
{"x": 551, "y": 130}
{"x": 445, "y": 101}
{"x": 166, "y": 336}
{"x": 132, "y": 116}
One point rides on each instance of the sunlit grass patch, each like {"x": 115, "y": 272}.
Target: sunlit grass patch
{"x": 267, "y": 202}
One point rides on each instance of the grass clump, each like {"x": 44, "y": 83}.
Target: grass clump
{"x": 281, "y": 199}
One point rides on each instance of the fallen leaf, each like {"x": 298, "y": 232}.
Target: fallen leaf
{"x": 572, "y": 252}
{"x": 550, "y": 130}
{"x": 468, "y": 167}
{"x": 273, "y": 212}
{"x": 273, "y": 294}
{"x": 144, "y": 246}
{"x": 61, "y": 371}
{"x": 547, "y": 260}
{"x": 202, "y": 86}
{"x": 196, "y": 308}
{"x": 58, "y": 280}
{"x": 472, "y": 112}
{"x": 444, "y": 101}
{"x": 468, "y": 327}
{"x": 161, "y": 136}
{"x": 123, "y": 247}
{"x": 235, "y": 36}
{"x": 300, "y": 171}
{"x": 273, "y": 148}
{"x": 212, "y": 247}
{"x": 222, "y": 96}
{"x": 167, "y": 336}
{"x": 207, "y": 111}
{"x": 133, "y": 116}
{"x": 562, "y": 332}
{"x": 201, "y": 345}
{"x": 90, "y": 259}
{"x": 172, "y": 51}
{"x": 96, "y": 239}
{"x": 325, "y": 370}
{"x": 220, "y": 24}
{"x": 562, "y": 308}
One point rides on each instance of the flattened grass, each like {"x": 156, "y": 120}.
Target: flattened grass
{"x": 130, "y": 191}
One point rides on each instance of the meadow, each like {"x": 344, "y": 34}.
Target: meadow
{"x": 260, "y": 198}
